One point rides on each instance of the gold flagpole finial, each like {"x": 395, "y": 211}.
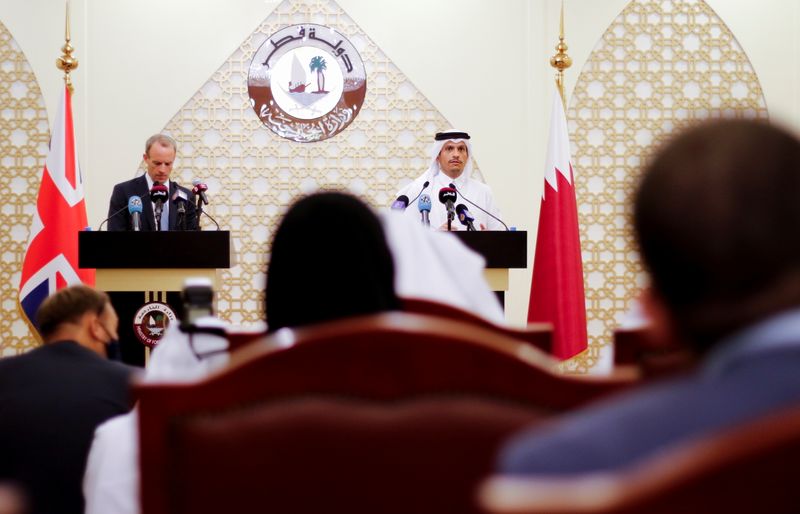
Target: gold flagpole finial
{"x": 561, "y": 61}
{"x": 66, "y": 62}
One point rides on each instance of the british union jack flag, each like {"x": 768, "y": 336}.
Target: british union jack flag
{"x": 51, "y": 258}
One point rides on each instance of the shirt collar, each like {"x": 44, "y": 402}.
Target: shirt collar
{"x": 150, "y": 181}
{"x": 781, "y": 330}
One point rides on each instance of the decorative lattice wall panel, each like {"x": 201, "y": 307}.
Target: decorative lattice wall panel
{"x": 24, "y": 136}
{"x": 253, "y": 174}
{"x": 660, "y": 65}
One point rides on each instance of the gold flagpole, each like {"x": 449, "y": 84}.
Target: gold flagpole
{"x": 66, "y": 62}
{"x": 561, "y": 61}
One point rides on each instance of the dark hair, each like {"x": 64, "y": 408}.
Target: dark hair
{"x": 68, "y": 305}
{"x": 329, "y": 260}
{"x": 716, "y": 217}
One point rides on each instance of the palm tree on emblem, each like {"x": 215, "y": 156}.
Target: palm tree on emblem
{"x": 318, "y": 64}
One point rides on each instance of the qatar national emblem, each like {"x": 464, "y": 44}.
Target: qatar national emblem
{"x": 307, "y": 83}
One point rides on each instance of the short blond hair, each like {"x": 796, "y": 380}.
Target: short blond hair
{"x": 161, "y": 139}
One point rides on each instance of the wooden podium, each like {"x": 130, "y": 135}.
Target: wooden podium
{"x": 135, "y": 268}
{"x": 502, "y": 250}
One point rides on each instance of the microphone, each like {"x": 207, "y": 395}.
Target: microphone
{"x": 479, "y": 207}
{"x": 135, "y": 210}
{"x": 448, "y": 196}
{"x": 158, "y": 195}
{"x": 400, "y": 204}
{"x": 465, "y": 217}
{"x": 426, "y": 184}
{"x": 112, "y": 215}
{"x": 424, "y": 206}
{"x": 200, "y": 189}
{"x": 180, "y": 200}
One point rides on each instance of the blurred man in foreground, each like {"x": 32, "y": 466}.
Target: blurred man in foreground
{"x": 53, "y": 397}
{"x": 715, "y": 217}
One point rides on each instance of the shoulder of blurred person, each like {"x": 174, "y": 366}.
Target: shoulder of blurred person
{"x": 54, "y": 396}
{"x": 711, "y": 217}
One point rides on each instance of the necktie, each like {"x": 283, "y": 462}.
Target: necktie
{"x": 165, "y": 217}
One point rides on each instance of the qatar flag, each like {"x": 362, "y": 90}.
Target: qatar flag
{"x": 557, "y": 294}
{"x": 51, "y": 258}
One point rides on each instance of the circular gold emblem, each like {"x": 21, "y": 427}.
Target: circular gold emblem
{"x": 307, "y": 82}
{"x": 151, "y": 321}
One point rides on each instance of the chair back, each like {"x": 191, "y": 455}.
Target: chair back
{"x": 539, "y": 335}
{"x": 387, "y": 413}
{"x": 751, "y": 468}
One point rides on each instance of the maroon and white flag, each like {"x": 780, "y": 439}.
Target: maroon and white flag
{"x": 557, "y": 294}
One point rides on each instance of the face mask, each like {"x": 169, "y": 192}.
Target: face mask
{"x": 112, "y": 346}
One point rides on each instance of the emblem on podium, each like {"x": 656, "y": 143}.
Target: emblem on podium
{"x": 151, "y": 321}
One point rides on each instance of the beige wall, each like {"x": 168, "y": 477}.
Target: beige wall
{"x": 142, "y": 60}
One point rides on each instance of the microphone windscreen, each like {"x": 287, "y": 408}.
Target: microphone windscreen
{"x": 463, "y": 214}
{"x": 134, "y": 204}
{"x": 424, "y": 203}
{"x": 159, "y": 193}
{"x": 447, "y": 194}
{"x": 401, "y": 203}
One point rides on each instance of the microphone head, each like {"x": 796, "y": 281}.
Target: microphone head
{"x": 424, "y": 203}
{"x": 464, "y": 215}
{"x": 400, "y": 204}
{"x": 199, "y": 186}
{"x": 426, "y": 184}
{"x": 134, "y": 204}
{"x": 453, "y": 186}
{"x": 180, "y": 195}
{"x": 159, "y": 193}
{"x": 447, "y": 194}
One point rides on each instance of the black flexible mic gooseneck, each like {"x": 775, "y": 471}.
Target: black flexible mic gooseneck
{"x": 125, "y": 207}
{"x": 426, "y": 184}
{"x": 479, "y": 207}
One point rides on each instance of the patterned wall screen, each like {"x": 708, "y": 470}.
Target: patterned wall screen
{"x": 660, "y": 65}
{"x": 253, "y": 174}
{"x": 24, "y": 137}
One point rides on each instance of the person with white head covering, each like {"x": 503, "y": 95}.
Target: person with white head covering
{"x": 451, "y": 164}
{"x": 111, "y": 479}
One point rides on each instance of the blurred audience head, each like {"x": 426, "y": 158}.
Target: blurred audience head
{"x": 716, "y": 217}
{"x": 80, "y": 313}
{"x": 329, "y": 260}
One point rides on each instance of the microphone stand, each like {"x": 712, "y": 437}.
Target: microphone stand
{"x": 158, "y": 216}
{"x": 181, "y": 218}
{"x": 200, "y": 213}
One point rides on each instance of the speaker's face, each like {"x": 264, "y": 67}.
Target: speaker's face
{"x": 159, "y": 162}
{"x": 453, "y": 158}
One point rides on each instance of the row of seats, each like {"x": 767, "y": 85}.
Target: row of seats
{"x": 402, "y": 412}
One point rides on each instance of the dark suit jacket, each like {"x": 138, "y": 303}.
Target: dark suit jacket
{"x": 725, "y": 392}
{"x": 51, "y": 400}
{"x": 120, "y": 219}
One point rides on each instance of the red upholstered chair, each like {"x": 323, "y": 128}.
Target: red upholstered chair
{"x": 636, "y": 348}
{"x": 238, "y": 339}
{"x": 752, "y": 468}
{"x": 387, "y": 413}
{"x": 539, "y": 335}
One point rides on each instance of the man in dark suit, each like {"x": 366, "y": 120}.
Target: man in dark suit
{"x": 178, "y": 211}
{"x": 716, "y": 217}
{"x": 53, "y": 397}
